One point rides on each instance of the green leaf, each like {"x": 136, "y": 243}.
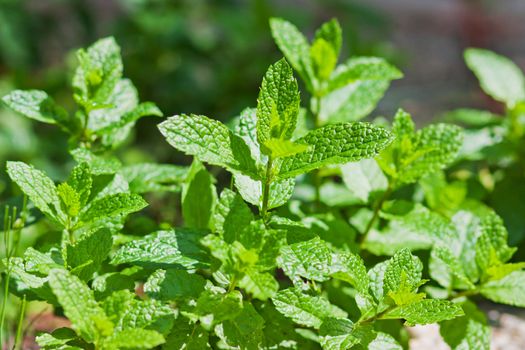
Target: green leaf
{"x": 364, "y": 178}
{"x": 174, "y": 284}
{"x": 81, "y": 181}
{"x": 360, "y": 69}
{"x": 135, "y": 338}
{"x": 38, "y": 187}
{"x": 209, "y": 141}
{"x": 85, "y": 256}
{"x": 468, "y": 332}
{"x": 26, "y": 283}
{"x": 336, "y": 334}
{"x": 331, "y": 33}
{"x": 446, "y": 257}
{"x": 37, "y": 105}
{"x": 352, "y": 102}
{"x": 278, "y": 148}
{"x": 128, "y": 312}
{"x": 99, "y": 71}
{"x": 509, "y": 290}
{"x": 244, "y": 331}
{"x": 425, "y": 312}
{"x": 251, "y": 191}
{"x": 278, "y": 104}
{"x": 309, "y": 259}
{"x": 188, "y": 336}
{"x": 351, "y": 268}
{"x": 261, "y": 285}
{"x": 86, "y": 316}
{"x": 499, "y": 77}
{"x": 152, "y": 177}
{"x": 384, "y": 341}
{"x": 231, "y": 214}
{"x": 178, "y": 248}
{"x": 99, "y": 165}
{"x": 403, "y": 271}
{"x": 304, "y": 309}
{"x": 142, "y": 110}
{"x": 118, "y": 204}
{"x": 214, "y": 306}
{"x": 324, "y": 58}
{"x": 69, "y": 199}
{"x": 335, "y": 144}
{"x": 295, "y": 48}
{"x": 198, "y": 197}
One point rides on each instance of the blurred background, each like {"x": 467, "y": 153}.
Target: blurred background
{"x": 208, "y": 57}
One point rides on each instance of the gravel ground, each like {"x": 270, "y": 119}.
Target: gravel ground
{"x": 508, "y": 331}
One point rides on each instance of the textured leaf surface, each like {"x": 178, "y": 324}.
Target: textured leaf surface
{"x": 86, "y": 255}
{"x": 231, "y": 215}
{"x": 469, "y": 332}
{"x": 210, "y": 141}
{"x": 243, "y": 331}
{"x": 79, "y": 304}
{"x": 151, "y": 177}
{"x": 336, "y": 334}
{"x": 251, "y": 191}
{"x": 403, "y": 270}
{"x": 335, "y": 144}
{"x": 426, "y": 311}
{"x": 304, "y": 309}
{"x": 364, "y": 178}
{"x": 310, "y": 259}
{"x": 198, "y": 197}
{"x": 498, "y": 76}
{"x": 294, "y": 46}
{"x": 114, "y": 205}
{"x": 278, "y": 103}
{"x": 37, "y": 186}
{"x": 177, "y": 248}
{"x": 509, "y": 290}
{"x": 35, "y": 104}
{"x": 135, "y": 338}
{"x": 362, "y": 68}
{"x": 187, "y": 336}
{"x": 174, "y": 284}
{"x": 351, "y": 268}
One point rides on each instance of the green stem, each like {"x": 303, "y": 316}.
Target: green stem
{"x": 266, "y": 189}
{"x": 375, "y": 215}
{"x": 19, "y": 328}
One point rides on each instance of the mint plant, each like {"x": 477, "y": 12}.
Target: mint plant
{"x": 393, "y": 241}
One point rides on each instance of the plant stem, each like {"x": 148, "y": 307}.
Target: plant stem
{"x": 266, "y": 189}
{"x": 19, "y": 328}
{"x": 7, "y": 239}
{"x": 375, "y": 216}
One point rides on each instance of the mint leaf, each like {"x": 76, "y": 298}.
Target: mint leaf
{"x": 151, "y": 177}
{"x": 360, "y": 69}
{"x": 198, "y": 197}
{"x": 135, "y": 338}
{"x": 310, "y": 259}
{"x": 426, "y": 311}
{"x": 243, "y": 331}
{"x": 499, "y": 77}
{"x": 178, "y": 248}
{"x": 351, "y": 268}
{"x": 336, "y": 334}
{"x": 37, "y": 105}
{"x": 86, "y": 316}
{"x": 278, "y": 104}
{"x": 304, "y": 309}
{"x": 81, "y": 181}
{"x": 231, "y": 213}
{"x": 364, "y": 178}
{"x": 403, "y": 270}
{"x": 324, "y": 58}
{"x": 252, "y": 191}
{"x": 174, "y": 284}
{"x": 469, "y": 332}
{"x": 186, "y": 335}
{"x": 509, "y": 290}
{"x": 446, "y": 257}
{"x": 38, "y": 187}
{"x": 261, "y": 285}
{"x": 99, "y": 165}
{"x": 209, "y": 141}
{"x": 295, "y": 48}
{"x": 332, "y": 34}
{"x": 352, "y": 102}
{"x": 142, "y": 110}
{"x": 113, "y": 205}
{"x": 335, "y": 144}
{"x": 214, "y": 306}
{"x": 85, "y": 256}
